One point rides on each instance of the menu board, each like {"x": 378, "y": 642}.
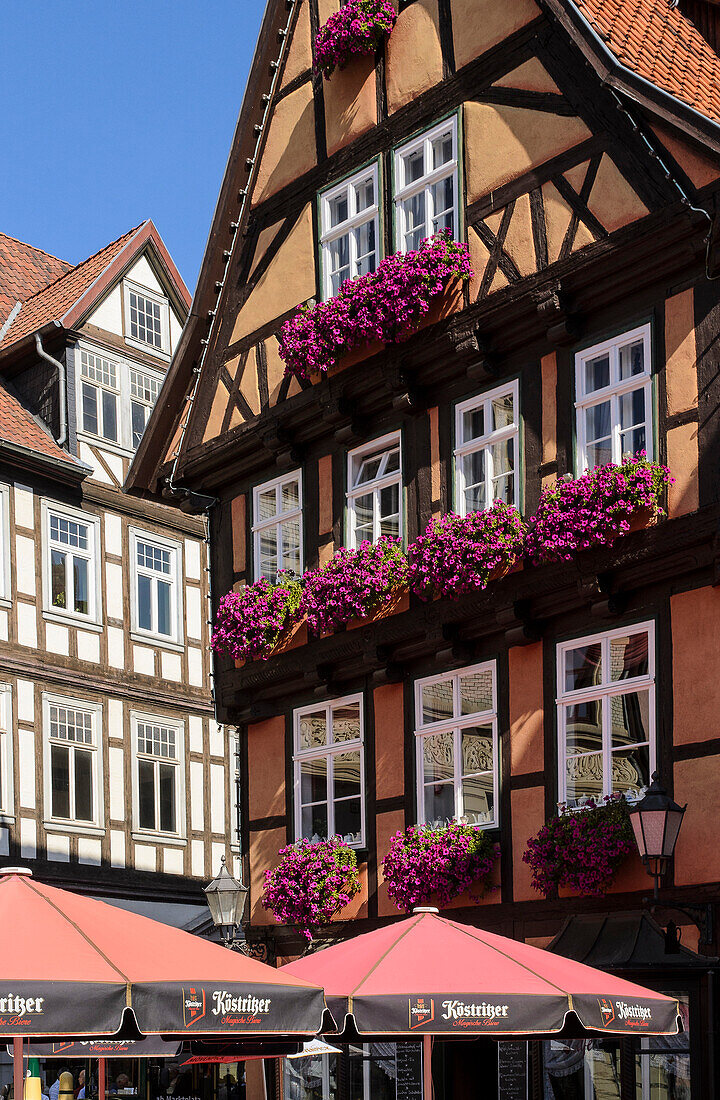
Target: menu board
{"x": 512, "y": 1071}
{"x": 409, "y": 1084}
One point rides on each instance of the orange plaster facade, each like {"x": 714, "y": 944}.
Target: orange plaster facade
{"x": 696, "y": 661}
{"x": 526, "y": 709}
{"x": 266, "y": 764}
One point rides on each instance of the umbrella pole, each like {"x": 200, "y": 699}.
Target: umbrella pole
{"x": 18, "y": 1069}
{"x": 427, "y": 1068}
{"x": 101, "y": 1079}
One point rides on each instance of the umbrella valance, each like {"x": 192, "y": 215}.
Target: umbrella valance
{"x": 72, "y": 965}
{"x": 431, "y": 976}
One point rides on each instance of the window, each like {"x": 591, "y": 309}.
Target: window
{"x": 144, "y": 390}
{"x": 329, "y": 771}
{"x": 72, "y": 765}
{"x": 115, "y": 398}
{"x": 277, "y": 527}
{"x": 6, "y": 785}
{"x": 372, "y": 1071}
{"x": 614, "y": 400}
{"x": 375, "y": 490}
{"x": 349, "y": 229}
{"x": 71, "y": 571}
{"x": 457, "y": 753}
{"x": 100, "y": 391}
{"x": 606, "y": 715}
{"x": 426, "y": 186}
{"x": 487, "y": 452}
{"x": 5, "y": 582}
{"x": 146, "y": 317}
{"x": 155, "y": 587}
{"x": 158, "y": 746}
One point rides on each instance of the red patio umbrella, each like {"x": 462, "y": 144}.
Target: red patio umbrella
{"x": 75, "y": 966}
{"x": 428, "y": 975}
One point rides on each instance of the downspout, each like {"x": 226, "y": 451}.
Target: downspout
{"x": 62, "y": 383}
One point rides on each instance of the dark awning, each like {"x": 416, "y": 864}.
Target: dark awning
{"x": 627, "y": 941}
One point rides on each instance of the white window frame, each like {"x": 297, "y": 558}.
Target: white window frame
{"x": 7, "y": 793}
{"x": 96, "y": 827}
{"x": 388, "y": 442}
{"x": 178, "y": 837}
{"x": 329, "y": 235}
{"x": 5, "y": 554}
{"x": 327, "y": 752}
{"x": 262, "y": 525}
{"x": 124, "y": 445}
{"x": 100, "y": 387}
{"x": 403, "y": 191}
{"x": 486, "y": 442}
{"x": 152, "y": 296}
{"x": 456, "y": 725}
{"x": 138, "y": 633}
{"x": 602, "y": 691}
{"x": 92, "y": 555}
{"x": 613, "y": 392}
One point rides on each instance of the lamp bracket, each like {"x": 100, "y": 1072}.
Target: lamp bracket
{"x": 702, "y": 916}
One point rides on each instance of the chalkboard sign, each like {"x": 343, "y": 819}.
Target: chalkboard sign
{"x": 409, "y": 1084}
{"x": 512, "y": 1071}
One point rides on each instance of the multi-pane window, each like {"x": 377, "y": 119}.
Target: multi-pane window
{"x": 6, "y": 801}
{"x": 374, "y": 495}
{"x": 145, "y": 318}
{"x": 5, "y": 586}
{"x": 100, "y": 392}
{"x": 606, "y": 715}
{"x": 144, "y": 390}
{"x": 614, "y": 399}
{"x": 426, "y": 186}
{"x": 71, "y": 573}
{"x": 457, "y": 753}
{"x": 371, "y": 1071}
{"x": 158, "y": 771}
{"x": 487, "y": 448}
{"x": 349, "y": 229}
{"x": 277, "y": 527}
{"x": 329, "y": 771}
{"x": 156, "y": 588}
{"x": 72, "y": 748}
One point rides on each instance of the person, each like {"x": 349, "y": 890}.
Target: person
{"x": 80, "y": 1090}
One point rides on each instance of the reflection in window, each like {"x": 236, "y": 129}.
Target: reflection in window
{"x": 375, "y": 491}
{"x": 329, "y": 771}
{"x": 456, "y": 736}
{"x": 73, "y": 755}
{"x": 350, "y": 231}
{"x": 487, "y": 436}
{"x": 426, "y": 186}
{"x": 277, "y": 527}
{"x": 606, "y": 715}
{"x": 157, "y": 776}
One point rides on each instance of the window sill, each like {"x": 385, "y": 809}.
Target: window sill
{"x": 7, "y": 819}
{"x": 149, "y": 349}
{"x": 166, "y": 839}
{"x": 106, "y": 444}
{"x": 72, "y": 620}
{"x": 74, "y": 828}
{"x": 158, "y": 641}
{"x": 5, "y": 602}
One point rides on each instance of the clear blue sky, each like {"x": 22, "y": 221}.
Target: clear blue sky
{"x": 119, "y": 110}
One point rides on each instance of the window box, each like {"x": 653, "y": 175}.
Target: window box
{"x": 358, "y": 29}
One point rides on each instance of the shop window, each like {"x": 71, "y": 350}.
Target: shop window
{"x": 456, "y": 734}
{"x": 350, "y": 229}
{"x": 71, "y": 761}
{"x": 614, "y": 400}
{"x": 158, "y": 745}
{"x": 426, "y": 186}
{"x": 70, "y": 572}
{"x": 606, "y": 715}
{"x": 277, "y": 527}
{"x": 374, "y": 497}
{"x": 373, "y": 1071}
{"x": 330, "y": 771}
{"x": 156, "y": 611}
{"x": 487, "y": 451}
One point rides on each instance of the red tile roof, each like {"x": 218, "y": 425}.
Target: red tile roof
{"x": 19, "y": 426}
{"x": 657, "y": 42}
{"x": 23, "y": 271}
{"x": 52, "y": 302}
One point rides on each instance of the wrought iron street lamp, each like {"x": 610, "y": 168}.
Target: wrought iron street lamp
{"x": 226, "y": 898}
{"x": 656, "y": 822}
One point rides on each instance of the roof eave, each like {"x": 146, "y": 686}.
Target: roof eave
{"x": 613, "y": 72}
{"x": 58, "y": 469}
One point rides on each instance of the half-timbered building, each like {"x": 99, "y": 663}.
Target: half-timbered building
{"x": 114, "y": 776}
{"x": 575, "y": 146}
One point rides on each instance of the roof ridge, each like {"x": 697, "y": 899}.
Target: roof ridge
{"x": 35, "y": 248}
{"x": 73, "y": 270}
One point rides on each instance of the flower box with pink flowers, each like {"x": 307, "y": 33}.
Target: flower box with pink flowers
{"x": 360, "y": 27}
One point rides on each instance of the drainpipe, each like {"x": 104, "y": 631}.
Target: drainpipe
{"x": 62, "y": 380}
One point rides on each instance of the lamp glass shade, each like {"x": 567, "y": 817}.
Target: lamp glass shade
{"x": 226, "y": 899}
{"x": 649, "y": 827}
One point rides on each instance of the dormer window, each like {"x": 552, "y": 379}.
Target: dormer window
{"x": 115, "y": 399}
{"x": 147, "y": 320}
